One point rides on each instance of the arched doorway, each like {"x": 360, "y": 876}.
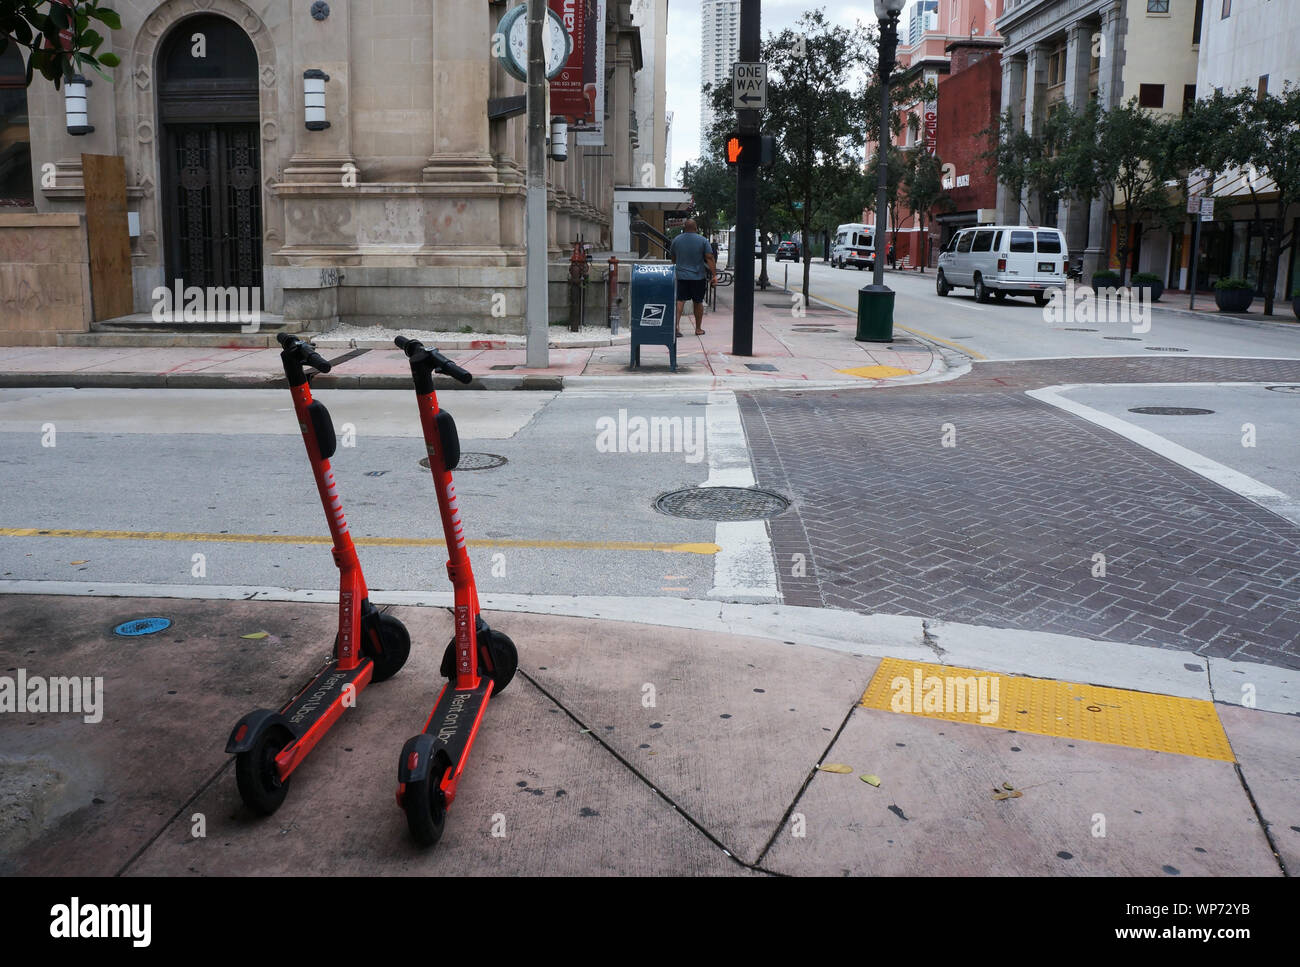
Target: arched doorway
{"x": 210, "y": 154}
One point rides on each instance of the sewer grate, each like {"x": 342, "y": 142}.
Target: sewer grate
{"x": 721, "y": 503}
{"x": 760, "y": 368}
{"x": 474, "y": 461}
{"x": 814, "y": 329}
{"x": 1068, "y": 329}
{"x": 1164, "y": 349}
{"x": 1124, "y": 338}
{"x": 1284, "y": 389}
{"x": 504, "y": 366}
{"x": 1170, "y": 410}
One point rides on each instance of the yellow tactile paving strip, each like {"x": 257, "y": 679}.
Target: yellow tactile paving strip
{"x": 876, "y": 372}
{"x": 1043, "y": 706}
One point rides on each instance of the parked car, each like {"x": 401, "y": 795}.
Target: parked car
{"x": 1001, "y": 260}
{"x": 854, "y": 245}
{"x": 788, "y": 250}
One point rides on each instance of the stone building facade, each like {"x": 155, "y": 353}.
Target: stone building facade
{"x": 408, "y": 209}
{"x": 1110, "y": 51}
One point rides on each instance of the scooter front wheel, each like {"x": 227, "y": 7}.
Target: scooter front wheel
{"x": 395, "y": 641}
{"x": 260, "y": 785}
{"x": 426, "y": 809}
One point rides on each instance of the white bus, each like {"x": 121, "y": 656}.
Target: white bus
{"x": 854, "y": 244}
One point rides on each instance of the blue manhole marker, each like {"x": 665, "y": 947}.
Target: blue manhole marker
{"x": 142, "y": 626}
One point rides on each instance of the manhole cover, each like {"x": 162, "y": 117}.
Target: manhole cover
{"x": 1170, "y": 410}
{"x": 813, "y": 329}
{"x": 1069, "y": 329}
{"x": 1124, "y": 338}
{"x": 722, "y": 503}
{"x": 474, "y": 461}
{"x": 1164, "y": 349}
{"x": 1284, "y": 389}
{"x": 504, "y": 366}
{"x": 759, "y": 368}
{"x": 142, "y": 626}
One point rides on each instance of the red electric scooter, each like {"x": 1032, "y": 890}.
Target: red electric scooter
{"x": 268, "y": 746}
{"x": 479, "y": 662}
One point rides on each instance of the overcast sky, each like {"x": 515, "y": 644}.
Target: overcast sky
{"x": 683, "y": 83}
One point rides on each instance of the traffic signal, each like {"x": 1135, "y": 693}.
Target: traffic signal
{"x": 751, "y": 148}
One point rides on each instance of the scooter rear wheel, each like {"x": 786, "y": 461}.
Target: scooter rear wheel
{"x": 260, "y": 785}
{"x": 396, "y": 643}
{"x": 426, "y": 810}
{"x": 498, "y": 658}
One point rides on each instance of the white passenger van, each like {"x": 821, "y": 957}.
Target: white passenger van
{"x": 854, "y": 245}
{"x": 1003, "y": 260}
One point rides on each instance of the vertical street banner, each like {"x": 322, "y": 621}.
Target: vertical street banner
{"x": 578, "y": 91}
{"x": 931, "y": 117}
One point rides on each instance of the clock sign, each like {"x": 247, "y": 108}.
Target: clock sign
{"x": 514, "y": 52}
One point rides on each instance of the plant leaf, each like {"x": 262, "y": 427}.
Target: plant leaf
{"x": 837, "y": 767}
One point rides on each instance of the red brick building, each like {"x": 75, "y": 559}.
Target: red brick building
{"x": 970, "y": 99}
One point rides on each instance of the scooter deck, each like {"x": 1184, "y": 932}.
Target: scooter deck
{"x": 455, "y": 720}
{"x": 311, "y": 713}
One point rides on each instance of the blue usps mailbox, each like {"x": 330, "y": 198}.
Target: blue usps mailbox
{"x": 654, "y": 306}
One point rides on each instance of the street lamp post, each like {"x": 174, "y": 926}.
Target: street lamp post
{"x": 876, "y": 301}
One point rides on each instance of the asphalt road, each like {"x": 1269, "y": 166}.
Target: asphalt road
{"x": 1018, "y": 329}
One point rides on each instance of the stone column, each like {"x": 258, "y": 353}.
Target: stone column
{"x": 1078, "y": 64}
{"x": 1108, "y": 94}
{"x": 1013, "y": 93}
{"x": 460, "y": 46}
{"x": 322, "y": 157}
{"x": 1035, "y": 81}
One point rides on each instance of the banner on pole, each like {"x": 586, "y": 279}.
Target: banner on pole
{"x": 578, "y": 90}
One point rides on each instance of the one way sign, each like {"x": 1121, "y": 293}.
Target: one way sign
{"x": 749, "y": 87}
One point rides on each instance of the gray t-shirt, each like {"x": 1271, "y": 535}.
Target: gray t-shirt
{"x": 688, "y": 250}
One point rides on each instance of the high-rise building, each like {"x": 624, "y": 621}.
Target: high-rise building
{"x": 719, "y": 48}
{"x": 925, "y": 16}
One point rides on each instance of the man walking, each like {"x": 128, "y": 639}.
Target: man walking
{"x": 693, "y": 256}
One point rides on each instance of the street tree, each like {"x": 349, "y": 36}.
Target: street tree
{"x": 713, "y": 188}
{"x": 923, "y": 187}
{"x": 56, "y": 37}
{"x": 1130, "y": 165}
{"x": 1267, "y": 153}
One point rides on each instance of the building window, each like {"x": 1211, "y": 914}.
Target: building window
{"x": 1196, "y": 22}
{"x": 1227, "y": 10}
{"x": 1151, "y": 95}
{"x": 1189, "y": 97}
{"x": 1157, "y": 6}
{"x": 1263, "y": 86}
{"x": 16, "y": 189}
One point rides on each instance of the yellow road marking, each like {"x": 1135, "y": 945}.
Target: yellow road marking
{"x": 1043, "y": 706}
{"x": 960, "y": 347}
{"x": 106, "y": 535}
{"x": 875, "y": 372}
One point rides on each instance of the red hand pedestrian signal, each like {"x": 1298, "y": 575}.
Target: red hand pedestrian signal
{"x": 757, "y": 149}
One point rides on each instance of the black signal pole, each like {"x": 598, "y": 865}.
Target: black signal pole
{"x": 742, "y": 324}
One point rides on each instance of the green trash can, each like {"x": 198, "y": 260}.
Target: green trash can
{"x": 875, "y": 314}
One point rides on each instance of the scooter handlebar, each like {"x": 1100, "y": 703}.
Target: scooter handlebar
{"x": 417, "y": 352}
{"x": 306, "y": 352}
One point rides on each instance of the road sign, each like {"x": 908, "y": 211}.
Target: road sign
{"x": 749, "y": 87}
{"x": 1193, "y": 204}
{"x": 1207, "y": 209}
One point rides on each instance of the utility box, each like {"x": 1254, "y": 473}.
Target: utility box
{"x": 653, "y": 320}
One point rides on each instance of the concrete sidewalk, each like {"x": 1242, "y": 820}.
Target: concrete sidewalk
{"x": 813, "y": 349}
{"x": 621, "y": 748}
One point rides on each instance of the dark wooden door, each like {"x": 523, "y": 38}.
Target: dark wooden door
{"x": 107, "y": 236}
{"x": 214, "y": 206}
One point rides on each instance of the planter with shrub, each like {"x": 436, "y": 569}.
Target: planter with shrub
{"x": 1150, "y": 281}
{"x": 1105, "y": 279}
{"x": 1233, "y": 295}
